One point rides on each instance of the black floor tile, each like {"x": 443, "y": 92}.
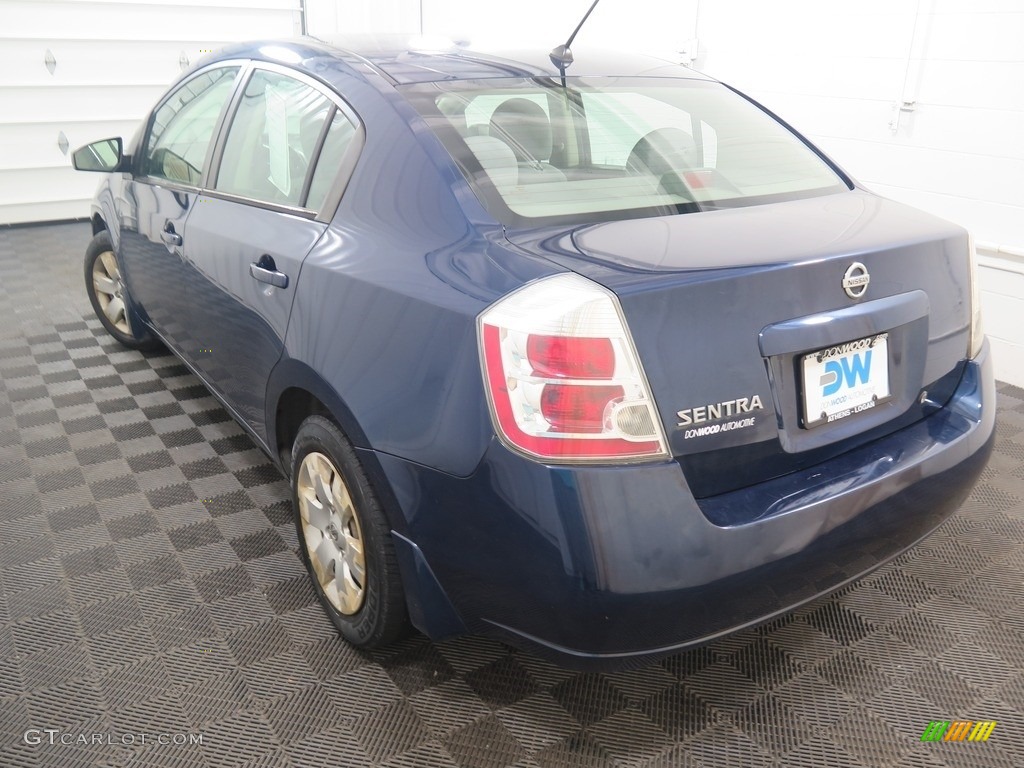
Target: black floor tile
{"x": 173, "y": 607}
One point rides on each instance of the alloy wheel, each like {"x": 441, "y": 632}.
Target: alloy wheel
{"x": 110, "y": 291}
{"x": 332, "y": 533}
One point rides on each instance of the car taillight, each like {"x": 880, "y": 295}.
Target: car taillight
{"x": 563, "y": 379}
{"x": 977, "y": 335}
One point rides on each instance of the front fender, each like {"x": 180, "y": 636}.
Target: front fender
{"x": 104, "y": 214}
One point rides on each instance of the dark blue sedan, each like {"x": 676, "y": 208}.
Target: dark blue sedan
{"x": 604, "y": 361}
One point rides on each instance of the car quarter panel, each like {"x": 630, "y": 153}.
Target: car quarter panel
{"x": 386, "y": 302}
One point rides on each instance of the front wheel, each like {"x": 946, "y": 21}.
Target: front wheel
{"x": 109, "y": 295}
{"x": 344, "y": 538}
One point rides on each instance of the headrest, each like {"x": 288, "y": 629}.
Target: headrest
{"x": 524, "y": 126}
{"x": 496, "y": 158}
{"x": 663, "y": 150}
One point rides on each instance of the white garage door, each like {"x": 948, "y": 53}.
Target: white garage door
{"x": 80, "y": 70}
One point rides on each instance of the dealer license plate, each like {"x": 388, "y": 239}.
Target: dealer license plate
{"x": 844, "y": 380}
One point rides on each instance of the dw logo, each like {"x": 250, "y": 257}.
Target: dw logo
{"x": 846, "y": 370}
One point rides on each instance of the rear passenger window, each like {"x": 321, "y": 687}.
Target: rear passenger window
{"x": 272, "y": 139}
{"x": 337, "y": 141}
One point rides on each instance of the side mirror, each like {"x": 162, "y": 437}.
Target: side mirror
{"x": 105, "y": 156}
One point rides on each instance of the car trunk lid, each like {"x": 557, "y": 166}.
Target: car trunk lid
{"x": 724, "y": 306}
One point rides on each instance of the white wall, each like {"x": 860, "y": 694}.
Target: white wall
{"x": 838, "y": 71}
{"x": 113, "y": 59}
{"x": 655, "y": 26}
{"x": 329, "y": 17}
{"x": 652, "y": 25}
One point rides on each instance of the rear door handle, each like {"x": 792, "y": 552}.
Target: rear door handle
{"x": 169, "y": 236}
{"x": 266, "y": 272}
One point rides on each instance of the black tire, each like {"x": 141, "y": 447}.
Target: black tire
{"x": 101, "y": 265}
{"x": 380, "y": 616}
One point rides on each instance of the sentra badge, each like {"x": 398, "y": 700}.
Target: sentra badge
{"x": 716, "y": 411}
{"x": 727, "y": 409}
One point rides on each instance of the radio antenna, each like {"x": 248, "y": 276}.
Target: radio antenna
{"x": 561, "y": 56}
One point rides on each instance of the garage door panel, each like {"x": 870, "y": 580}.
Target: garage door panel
{"x": 141, "y": 21}
{"x": 34, "y": 145}
{"x": 60, "y": 105}
{"x": 84, "y": 62}
{"x": 47, "y": 184}
{"x": 111, "y": 62}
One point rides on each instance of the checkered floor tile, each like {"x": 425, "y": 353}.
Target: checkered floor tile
{"x": 150, "y": 592}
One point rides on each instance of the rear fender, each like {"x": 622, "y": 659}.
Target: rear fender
{"x": 290, "y": 373}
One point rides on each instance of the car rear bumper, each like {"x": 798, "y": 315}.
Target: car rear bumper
{"x": 612, "y": 564}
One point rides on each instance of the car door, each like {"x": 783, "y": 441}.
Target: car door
{"x": 275, "y": 188}
{"x": 167, "y": 175}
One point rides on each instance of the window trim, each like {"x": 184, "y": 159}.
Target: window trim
{"x": 346, "y": 167}
{"x": 160, "y": 181}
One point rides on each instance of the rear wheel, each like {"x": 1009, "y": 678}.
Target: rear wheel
{"x": 344, "y": 539}
{"x": 109, "y": 295}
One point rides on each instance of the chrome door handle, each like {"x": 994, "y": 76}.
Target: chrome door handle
{"x": 170, "y": 237}
{"x": 270, "y": 276}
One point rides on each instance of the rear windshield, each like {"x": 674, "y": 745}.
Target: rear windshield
{"x": 536, "y": 152}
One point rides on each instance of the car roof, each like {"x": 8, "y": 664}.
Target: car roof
{"x": 406, "y": 59}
